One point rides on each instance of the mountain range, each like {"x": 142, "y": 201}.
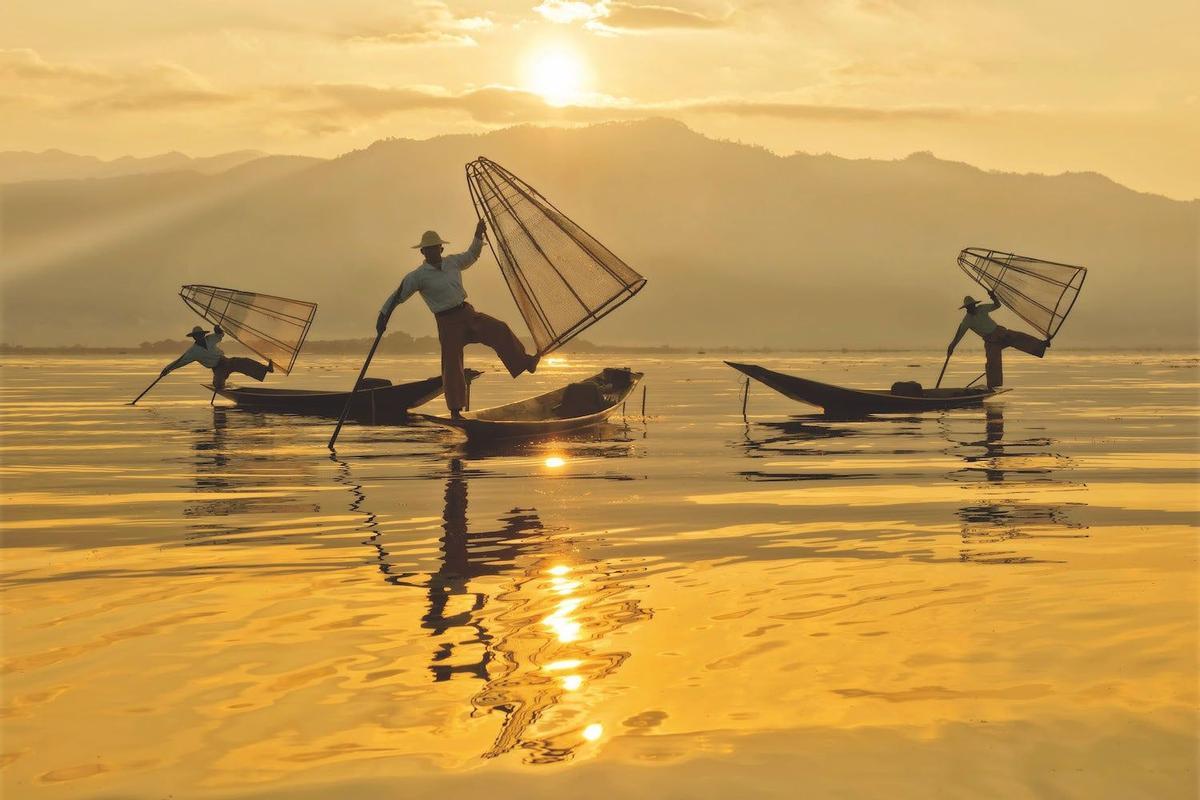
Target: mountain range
{"x": 741, "y": 247}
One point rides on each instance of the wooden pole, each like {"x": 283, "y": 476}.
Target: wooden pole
{"x": 148, "y": 388}
{"x": 643, "y": 401}
{"x": 938, "y": 385}
{"x": 745, "y": 399}
{"x": 350, "y": 399}
{"x": 972, "y": 383}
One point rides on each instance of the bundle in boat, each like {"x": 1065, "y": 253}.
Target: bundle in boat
{"x": 1040, "y": 292}
{"x": 562, "y": 278}
{"x": 273, "y": 327}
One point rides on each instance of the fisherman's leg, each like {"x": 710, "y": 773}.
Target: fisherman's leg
{"x": 249, "y": 367}
{"x": 1025, "y": 343}
{"x": 221, "y": 373}
{"x": 995, "y": 363}
{"x": 452, "y": 335}
{"x": 498, "y": 336}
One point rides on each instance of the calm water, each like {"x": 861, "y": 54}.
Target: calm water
{"x": 995, "y": 602}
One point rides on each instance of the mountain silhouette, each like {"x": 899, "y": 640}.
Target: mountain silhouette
{"x": 741, "y": 246}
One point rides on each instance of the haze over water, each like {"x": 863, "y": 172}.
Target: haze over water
{"x": 996, "y": 602}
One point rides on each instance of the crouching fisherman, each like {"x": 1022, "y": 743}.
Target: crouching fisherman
{"x": 995, "y": 337}
{"x": 206, "y": 351}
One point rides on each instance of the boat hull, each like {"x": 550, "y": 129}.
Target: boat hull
{"x": 378, "y": 404}
{"x": 533, "y": 417}
{"x": 844, "y": 401}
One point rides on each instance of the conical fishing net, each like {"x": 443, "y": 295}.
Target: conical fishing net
{"x": 273, "y": 327}
{"x": 562, "y": 279}
{"x": 1039, "y": 292}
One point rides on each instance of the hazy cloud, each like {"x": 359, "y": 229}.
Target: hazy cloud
{"x": 28, "y": 65}
{"x": 612, "y": 16}
{"x": 431, "y": 23}
{"x": 71, "y": 87}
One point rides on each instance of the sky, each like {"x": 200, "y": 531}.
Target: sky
{"x": 1023, "y": 85}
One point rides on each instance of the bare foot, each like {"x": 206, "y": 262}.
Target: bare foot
{"x": 533, "y": 363}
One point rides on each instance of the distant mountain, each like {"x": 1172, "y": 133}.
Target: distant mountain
{"x": 53, "y": 165}
{"x": 740, "y": 246}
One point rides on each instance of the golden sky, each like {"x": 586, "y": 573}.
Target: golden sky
{"x": 1021, "y": 85}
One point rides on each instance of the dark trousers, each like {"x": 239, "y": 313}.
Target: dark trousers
{"x": 244, "y": 366}
{"x": 994, "y": 344}
{"x": 462, "y": 326}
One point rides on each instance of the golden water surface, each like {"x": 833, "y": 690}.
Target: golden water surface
{"x": 995, "y": 602}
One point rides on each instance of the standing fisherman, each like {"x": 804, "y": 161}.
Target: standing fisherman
{"x": 995, "y": 337}
{"x": 206, "y": 351}
{"x": 439, "y": 280}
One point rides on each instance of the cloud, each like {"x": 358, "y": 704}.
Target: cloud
{"x": 28, "y": 65}
{"x": 626, "y": 16}
{"x": 72, "y": 87}
{"x": 431, "y": 23}
{"x": 613, "y": 16}
{"x": 822, "y": 112}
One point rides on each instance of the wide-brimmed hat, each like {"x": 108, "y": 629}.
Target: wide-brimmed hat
{"x": 198, "y": 330}
{"x": 969, "y": 301}
{"x": 429, "y": 239}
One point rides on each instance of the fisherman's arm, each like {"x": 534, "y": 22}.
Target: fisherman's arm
{"x": 995, "y": 305}
{"x": 405, "y": 290}
{"x": 962, "y": 329}
{"x": 183, "y": 360}
{"x": 466, "y": 259}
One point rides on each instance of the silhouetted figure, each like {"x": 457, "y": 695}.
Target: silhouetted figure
{"x": 208, "y": 353}
{"x": 439, "y": 280}
{"x": 995, "y": 337}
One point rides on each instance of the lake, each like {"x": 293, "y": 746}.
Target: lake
{"x": 991, "y": 602}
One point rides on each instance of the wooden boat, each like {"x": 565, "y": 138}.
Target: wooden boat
{"x": 377, "y": 401}
{"x": 571, "y": 407}
{"x": 843, "y": 401}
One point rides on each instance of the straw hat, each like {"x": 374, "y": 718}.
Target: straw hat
{"x": 197, "y": 331}
{"x": 429, "y": 239}
{"x": 969, "y": 301}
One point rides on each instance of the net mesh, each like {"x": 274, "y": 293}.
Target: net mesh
{"x": 273, "y": 327}
{"x": 1039, "y": 292}
{"x": 562, "y": 279}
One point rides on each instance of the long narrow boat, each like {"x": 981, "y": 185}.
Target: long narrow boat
{"x": 376, "y": 401}
{"x": 568, "y": 408}
{"x": 843, "y": 401}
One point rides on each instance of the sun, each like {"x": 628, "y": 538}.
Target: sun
{"x": 557, "y": 73}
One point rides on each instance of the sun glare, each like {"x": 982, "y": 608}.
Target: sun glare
{"x": 557, "y": 74}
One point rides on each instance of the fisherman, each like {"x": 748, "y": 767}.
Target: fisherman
{"x": 995, "y": 337}
{"x": 439, "y": 280}
{"x": 206, "y": 351}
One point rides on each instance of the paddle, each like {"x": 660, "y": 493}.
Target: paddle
{"x": 148, "y": 388}
{"x": 350, "y": 399}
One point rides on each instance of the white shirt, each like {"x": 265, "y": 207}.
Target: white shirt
{"x": 978, "y": 321}
{"x": 441, "y": 286}
{"x": 208, "y": 355}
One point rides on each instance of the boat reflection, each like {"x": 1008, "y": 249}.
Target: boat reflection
{"x": 516, "y": 605}
{"x": 1010, "y": 472}
{"x": 234, "y": 453}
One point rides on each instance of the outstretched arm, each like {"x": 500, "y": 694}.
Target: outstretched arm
{"x": 466, "y": 259}
{"x": 404, "y": 291}
{"x": 995, "y": 304}
{"x": 183, "y": 360}
{"x": 962, "y": 329}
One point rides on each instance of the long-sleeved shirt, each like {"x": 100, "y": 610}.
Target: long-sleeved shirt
{"x": 976, "y": 320}
{"x": 441, "y": 286}
{"x": 208, "y": 355}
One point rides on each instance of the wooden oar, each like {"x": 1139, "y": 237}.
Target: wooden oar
{"x": 148, "y": 388}
{"x": 350, "y": 399}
